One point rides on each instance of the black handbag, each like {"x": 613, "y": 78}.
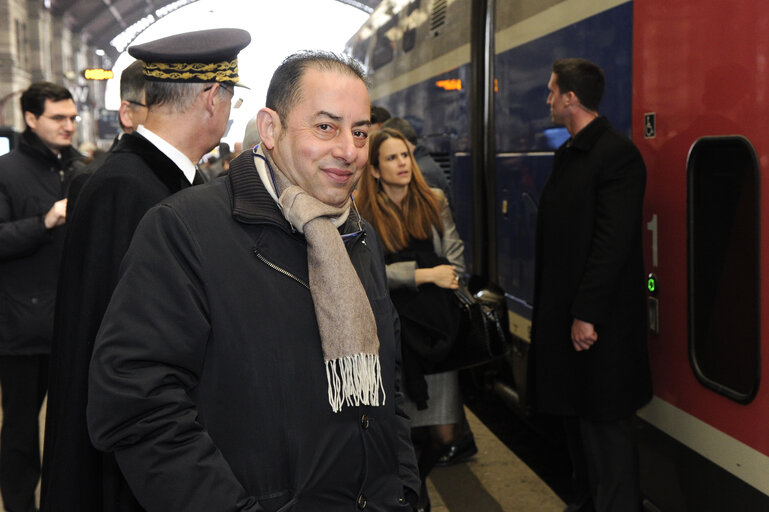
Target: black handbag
{"x": 482, "y": 338}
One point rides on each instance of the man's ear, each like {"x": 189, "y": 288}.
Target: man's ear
{"x": 210, "y": 98}
{"x": 124, "y": 115}
{"x": 268, "y": 124}
{"x": 571, "y": 99}
{"x": 30, "y": 119}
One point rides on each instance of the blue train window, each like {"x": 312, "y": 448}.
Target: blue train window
{"x": 723, "y": 211}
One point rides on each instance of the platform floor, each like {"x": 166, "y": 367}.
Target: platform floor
{"x": 495, "y": 480}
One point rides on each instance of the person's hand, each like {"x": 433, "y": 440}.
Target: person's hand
{"x": 57, "y": 215}
{"x": 583, "y": 335}
{"x": 445, "y": 276}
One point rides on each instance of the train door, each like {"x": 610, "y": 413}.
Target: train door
{"x": 698, "y": 108}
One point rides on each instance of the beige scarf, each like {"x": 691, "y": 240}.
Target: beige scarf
{"x": 348, "y": 330}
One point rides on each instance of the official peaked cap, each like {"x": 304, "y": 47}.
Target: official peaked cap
{"x": 194, "y": 57}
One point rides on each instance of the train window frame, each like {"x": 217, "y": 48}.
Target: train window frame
{"x": 699, "y": 271}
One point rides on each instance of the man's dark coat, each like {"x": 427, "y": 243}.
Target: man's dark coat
{"x": 589, "y": 265}
{"x": 32, "y": 179}
{"x": 208, "y": 381}
{"x": 134, "y": 177}
{"x": 432, "y": 172}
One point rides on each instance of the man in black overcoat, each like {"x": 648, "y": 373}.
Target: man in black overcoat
{"x": 590, "y": 362}
{"x": 188, "y": 108}
{"x": 33, "y": 182}
{"x": 249, "y": 355}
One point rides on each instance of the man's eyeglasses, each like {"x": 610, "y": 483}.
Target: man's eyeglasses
{"x": 137, "y": 103}
{"x": 61, "y": 119}
{"x": 231, "y": 90}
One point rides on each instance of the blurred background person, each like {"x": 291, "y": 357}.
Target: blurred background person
{"x": 378, "y": 116}
{"x": 424, "y": 257}
{"x": 132, "y": 113}
{"x": 251, "y": 136}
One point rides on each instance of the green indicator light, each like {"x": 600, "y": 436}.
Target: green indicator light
{"x": 651, "y": 284}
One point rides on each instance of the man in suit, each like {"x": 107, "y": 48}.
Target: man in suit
{"x": 188, "y": 105}
{"x": 590, "y": 362}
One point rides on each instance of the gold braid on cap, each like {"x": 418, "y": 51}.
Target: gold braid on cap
{"x": 225, "y": 71}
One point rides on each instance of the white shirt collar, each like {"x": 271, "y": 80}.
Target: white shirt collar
{"x": 176, "y": 156}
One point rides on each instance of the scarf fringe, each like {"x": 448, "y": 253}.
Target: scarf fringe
{"x": 354, "y": 380}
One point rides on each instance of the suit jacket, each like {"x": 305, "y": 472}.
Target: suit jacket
{"x": 589, "y": 265}
{"x": 208, "y": 381}
{"x": 134, "y": 177}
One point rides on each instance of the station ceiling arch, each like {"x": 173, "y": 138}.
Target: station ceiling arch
{"x": 102, "y": 20}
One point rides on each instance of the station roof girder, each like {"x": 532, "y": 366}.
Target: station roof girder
{"x": 100, "y": 21}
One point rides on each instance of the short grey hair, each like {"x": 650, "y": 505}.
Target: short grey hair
{"x": 176, "y": 95}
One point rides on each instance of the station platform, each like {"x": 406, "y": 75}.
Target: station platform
{"x": 494, "y": 480}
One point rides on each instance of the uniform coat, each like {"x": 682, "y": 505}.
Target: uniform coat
{"x": 207, "y": 379}
{"x": 589, "y": 265}
{"x": 32, "y": 179}
{"x": 134, "y": 177}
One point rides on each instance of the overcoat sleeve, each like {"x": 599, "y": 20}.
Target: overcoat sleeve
{"x": 148, "y": 354}
{"x": 19, "y": 237}
{"x": 618, "y": 202}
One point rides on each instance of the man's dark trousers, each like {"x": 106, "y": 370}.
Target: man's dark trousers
{"x": 23, "y": 384}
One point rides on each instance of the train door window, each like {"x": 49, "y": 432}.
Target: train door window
{"x": 383, "y": 49}
{"x": 723, "y": 210}
{"x": 409, "y": 39}
{"x": 360, "y": 49}
{"x": 410, "y": 35}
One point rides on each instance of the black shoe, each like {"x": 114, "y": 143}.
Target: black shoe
{"x": 584, "y": 505}
{"x": 458, "y": 452}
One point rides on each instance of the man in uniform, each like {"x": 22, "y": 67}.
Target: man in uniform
{"x": 189, "y": 87}
{"x": 131, "y": 113}
{"x": 33, "y": 182}
{"x": 248, "y": 357}
{"x": 590, "y": 363}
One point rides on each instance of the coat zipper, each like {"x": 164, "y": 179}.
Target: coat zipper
{"x": 281, "y": 270}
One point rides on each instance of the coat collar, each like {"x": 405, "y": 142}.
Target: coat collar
{"x": 31, "y": 144}
{"x": 253, "y": 204}
{"x": 589, "y": 135}
{"x": 160, "y": 165}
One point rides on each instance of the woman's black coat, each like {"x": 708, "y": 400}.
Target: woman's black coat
{"x": 589, "y": 265}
